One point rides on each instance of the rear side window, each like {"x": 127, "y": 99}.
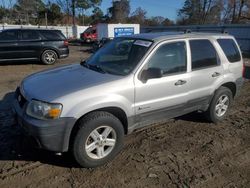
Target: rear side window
{"x": 9, "y": 35}
{"x": 230, "y": 49}
{"x": 30, "y": 35}
{"x": 203, "y": 54}
{"x": 52, "y": 35}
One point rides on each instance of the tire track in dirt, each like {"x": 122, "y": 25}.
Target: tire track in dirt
{"x": 20, "y": 169}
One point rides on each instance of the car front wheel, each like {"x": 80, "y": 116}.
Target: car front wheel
{"x": 98, "y": 140}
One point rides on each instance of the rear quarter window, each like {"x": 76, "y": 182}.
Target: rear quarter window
{"x": 230, "y": 49}
{"x": 52, "y": 35}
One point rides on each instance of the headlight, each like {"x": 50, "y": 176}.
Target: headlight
{"x": 43, "y": 110}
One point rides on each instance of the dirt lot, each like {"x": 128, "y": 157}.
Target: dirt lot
{"x": 184, "y": 152}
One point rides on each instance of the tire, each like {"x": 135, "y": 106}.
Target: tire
{"x": 91, "y": 146}
{"x": 49, "y": 57}
{"x": 216, "y": 106}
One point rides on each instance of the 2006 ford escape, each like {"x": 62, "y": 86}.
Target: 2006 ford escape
{"x": 132, "y": 82}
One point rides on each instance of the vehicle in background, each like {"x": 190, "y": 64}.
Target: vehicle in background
{"x": 105, "y": 30}
{"x": 33, "y": 44}
{"x": 100, "y": 43}
{"x": 89, "y": 35}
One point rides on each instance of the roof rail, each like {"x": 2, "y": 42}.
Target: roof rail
{"x": 224, "y": 31}
{"x": 188, "y": 31}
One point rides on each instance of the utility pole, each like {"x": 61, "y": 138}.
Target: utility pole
{"x": 46, "y": 19}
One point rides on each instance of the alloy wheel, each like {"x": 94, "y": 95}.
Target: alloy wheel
{"x": 100, "y": 142}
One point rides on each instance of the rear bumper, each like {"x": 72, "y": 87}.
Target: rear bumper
{"x": 63, "y": 53}
{"x": 53, "y": 135}
{"x": 239, "y": 84}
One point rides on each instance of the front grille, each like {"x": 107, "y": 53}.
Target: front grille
{"x": 20, "y": 98}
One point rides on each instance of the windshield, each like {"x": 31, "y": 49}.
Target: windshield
{"x": 119, "y": 57}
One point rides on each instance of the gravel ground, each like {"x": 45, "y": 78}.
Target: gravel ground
{"x": 183, "y": 152}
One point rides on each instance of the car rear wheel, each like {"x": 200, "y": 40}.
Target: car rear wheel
{"x": 98, "y": 140}
{"x": 219, "y": 105}
{"x": 49, "y": 57}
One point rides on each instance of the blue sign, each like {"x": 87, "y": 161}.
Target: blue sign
{"x": 123, "y": 31}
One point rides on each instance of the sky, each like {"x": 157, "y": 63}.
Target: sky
{"x": 165, "y": 8}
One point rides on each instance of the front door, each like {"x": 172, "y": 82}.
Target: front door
{"x": 9, "y": 45}
{"x": 163, "y": 97}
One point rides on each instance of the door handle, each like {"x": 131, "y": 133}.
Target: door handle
{"x": 180, "y": 82}
{"x": 216, "y": 74}
{"x": 14, "y": 44}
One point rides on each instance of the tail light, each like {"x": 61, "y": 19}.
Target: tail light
{"x": 65, "y": 43}
{"x": 244, "y": 70}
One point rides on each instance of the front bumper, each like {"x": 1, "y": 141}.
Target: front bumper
{"x": 53, "y": 135}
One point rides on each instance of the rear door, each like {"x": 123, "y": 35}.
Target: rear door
{"x": 207, "y": 71}
{"x": 30, "y": 44}
{"x": 9, "y": 45}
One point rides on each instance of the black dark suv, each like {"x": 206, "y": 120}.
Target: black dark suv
{"x": 33, "y": 44}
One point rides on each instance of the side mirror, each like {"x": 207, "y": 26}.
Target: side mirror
{"x": 151, "y": 73}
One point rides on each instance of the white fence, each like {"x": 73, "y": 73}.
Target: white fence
{"x": 68, "y": 31}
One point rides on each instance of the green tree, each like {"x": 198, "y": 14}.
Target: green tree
{"x": 83, "y": 5}
{"x": 3, "y": 12}
{"x": 28, "y": 9}
{"x": 97, "y": 15}
{"x": 54, "y": 14}
{"x": 119, "y": 12}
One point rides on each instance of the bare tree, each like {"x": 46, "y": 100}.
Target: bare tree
{"x": 236, "y": 11}
{"x": 138, "y": 16}
{"x": 201, "y": 12}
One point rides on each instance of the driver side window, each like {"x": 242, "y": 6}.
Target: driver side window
{"x": 171, "y": 58}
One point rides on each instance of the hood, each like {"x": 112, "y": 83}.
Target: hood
{"x": 55, "y": 83}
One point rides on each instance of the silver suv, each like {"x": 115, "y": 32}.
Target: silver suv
{"x": 130, "y": 83}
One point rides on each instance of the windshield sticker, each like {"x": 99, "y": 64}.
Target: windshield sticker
{"x": 143, "y": 43}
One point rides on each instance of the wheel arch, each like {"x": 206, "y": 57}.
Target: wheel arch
{"x": 49, "y": 48}
{"x": 116, "y": 111}
{"x": 231, "y": 86}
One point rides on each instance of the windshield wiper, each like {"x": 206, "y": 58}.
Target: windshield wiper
{"x": 93, "y": 67}
{"x": 85, "y": 64}
{"x": 97, "y": 68}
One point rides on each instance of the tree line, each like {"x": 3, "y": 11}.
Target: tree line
{"x": 214, "y": 12}
{"x": 70, "y": 12}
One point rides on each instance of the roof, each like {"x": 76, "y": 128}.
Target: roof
{"x": 39, "y": 29}
{"x": 170, "y": 35}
